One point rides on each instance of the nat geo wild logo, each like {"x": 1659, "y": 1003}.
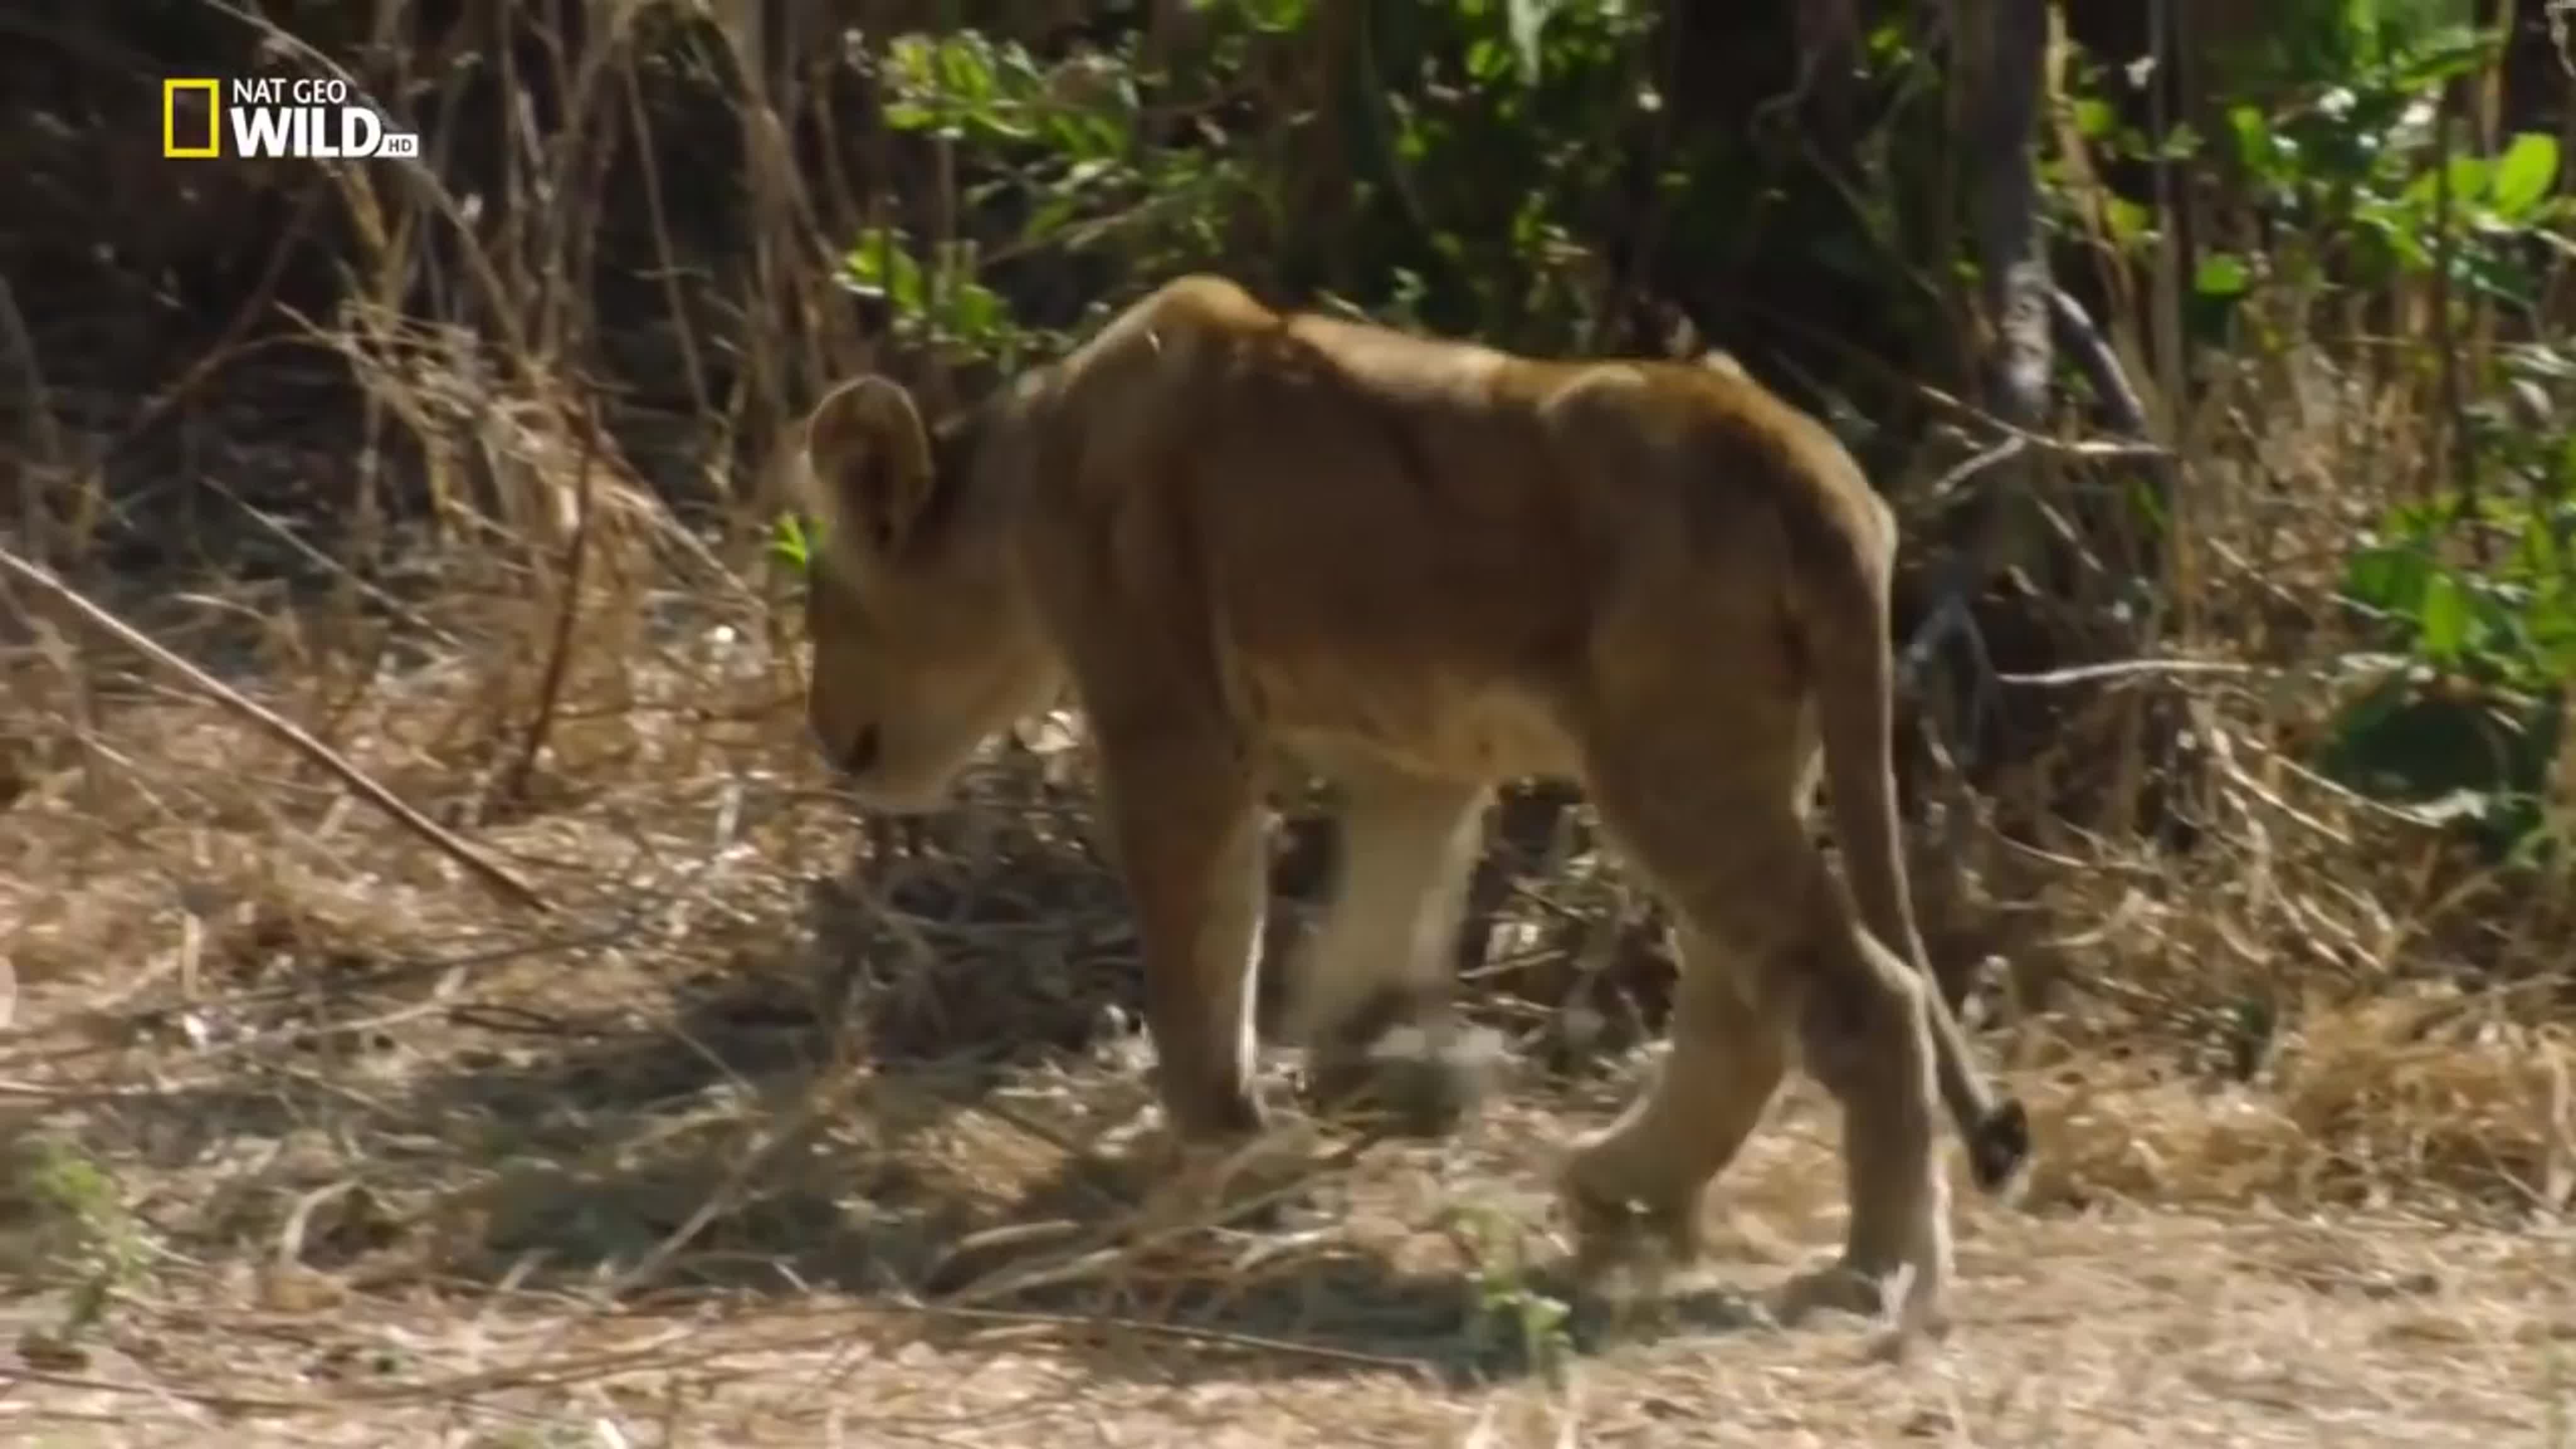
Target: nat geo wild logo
{"x": 304, "y": 118}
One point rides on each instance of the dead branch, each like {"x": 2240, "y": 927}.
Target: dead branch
{"x": 2082, "y": 344}
{"x": 502, "y": 883}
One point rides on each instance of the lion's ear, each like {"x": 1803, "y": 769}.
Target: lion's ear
{"x": 869, "y": 459}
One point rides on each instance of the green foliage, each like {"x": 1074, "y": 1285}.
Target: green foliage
{"x": 63, "y": 1220}
{"x": 2469, "y": 732}
{"x": 1049, "y": 158}
{"x": 1508, "y": 1314}
{"x": 2509, "y": 622}
{"x": 938, "y": 302}
{"x": 1452, "y": 166}
{"x": 2330, "y": 139}
{"x": 1542, "y": 92}
{"x": 2479, "y": 762}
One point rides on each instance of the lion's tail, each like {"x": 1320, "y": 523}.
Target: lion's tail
{"x": 1844, "y": 586}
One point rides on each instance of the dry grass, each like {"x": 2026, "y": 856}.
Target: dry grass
{"x": 753, "y": 1139}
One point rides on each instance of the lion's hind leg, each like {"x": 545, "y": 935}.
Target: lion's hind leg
{"x": 1866, "y": 1034}
{"x": 1707, "y": 841}
{"x": 1639, "y": 1181}
{"x": 1772, "y": 952}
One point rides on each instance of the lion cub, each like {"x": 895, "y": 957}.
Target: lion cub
{"x": 1421, "y": 567}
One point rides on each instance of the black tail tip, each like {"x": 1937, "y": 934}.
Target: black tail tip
{"x": 2000, "y": 1146}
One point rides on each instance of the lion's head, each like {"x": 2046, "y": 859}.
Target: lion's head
{"x": 926, "y": 643}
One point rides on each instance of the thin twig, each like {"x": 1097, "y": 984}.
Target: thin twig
{"x": 502, "y": 883}
{"x": 1181, "y": 1332}
{"x": 2125, "y": 668}
{"x": 514, "y": 787}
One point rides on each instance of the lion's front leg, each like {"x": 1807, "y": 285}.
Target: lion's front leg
{"x": 1185, "y": 824}
{"x": 1372, "y": 989}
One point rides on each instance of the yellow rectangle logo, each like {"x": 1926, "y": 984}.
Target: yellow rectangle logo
{"x": 171, "y": 90}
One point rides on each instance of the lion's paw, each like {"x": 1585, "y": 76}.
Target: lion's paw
{"x": 1625, "y": 1241}
{"x": 1175, "y": 1179}
{"x": 1920, "y": 1311}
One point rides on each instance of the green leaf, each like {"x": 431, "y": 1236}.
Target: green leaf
{"x": 2523, "y": 175}
{"x": 1277, "y": 17}
{"x": 2221, "y": 274}
{"x": 2443, "y": 626}
{"x": 2468, "y": 177}
{"x": 794, "y": 542}
{"x": 2388, "y": 579}
{"x": 2439, "y": 55}
{"x": 975, "y": 313}
{"x": 2128, "y": 221}
{"x": 2403, "y": 240}
{"x": 2254, "y": 141}
{"x": 880, "y": 266}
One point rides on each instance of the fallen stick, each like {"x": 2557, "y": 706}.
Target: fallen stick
{"x": 502, "y": 883}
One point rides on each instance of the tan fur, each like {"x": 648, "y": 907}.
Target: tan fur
{"x": 1420, "y": 567}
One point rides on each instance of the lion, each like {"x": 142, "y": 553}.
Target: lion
{"x": 1419, "y": 568}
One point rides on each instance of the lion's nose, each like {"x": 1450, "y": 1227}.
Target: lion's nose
{"x": 863, "y": 752}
